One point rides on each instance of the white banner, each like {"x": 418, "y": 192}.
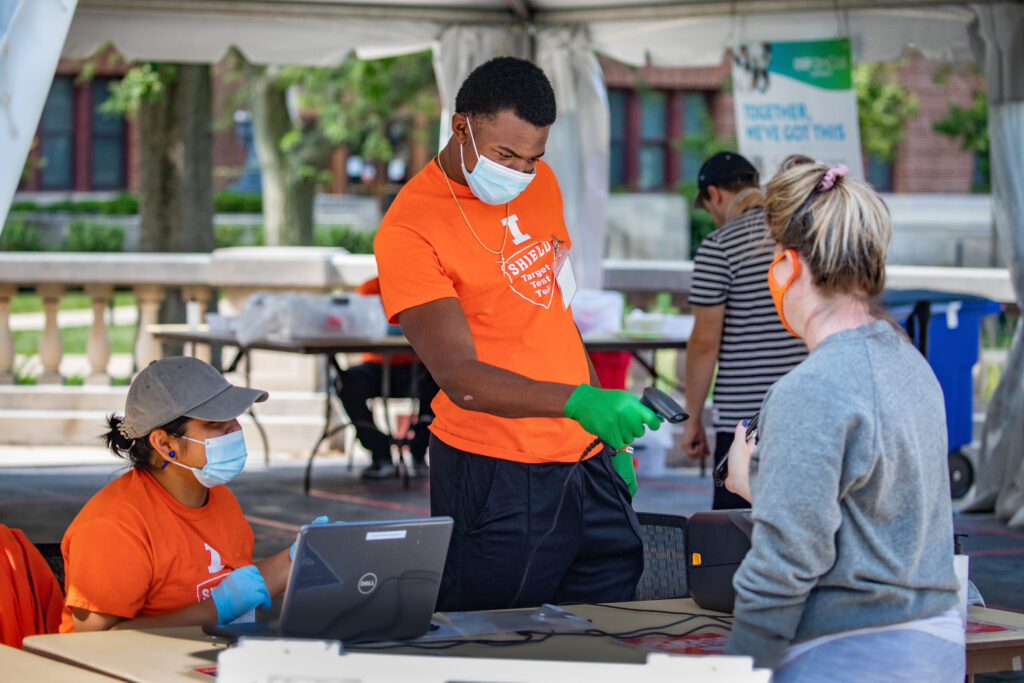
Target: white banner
{"x": 796, "y": 98}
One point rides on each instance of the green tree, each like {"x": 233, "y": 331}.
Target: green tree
{"x": 358, "y": 103}
{"x": 883, "y": 107}
{"x": 174, "y": 107}
{"x": 970, "y": 126}
{"x": 173, "y": 104}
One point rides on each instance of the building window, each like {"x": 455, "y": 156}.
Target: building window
{"x": 654, "y": 135}
{"x": 108, "y": 141}
{"x": 79, "y": 146}
{"x": 647, "y": 127}
{"x": 981, "y": 180}
{"x": 696, "y": 118}
{"x": 617, "y": 161}
{"x": 56, "y": 136}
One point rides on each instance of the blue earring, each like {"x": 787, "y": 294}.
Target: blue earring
{"x": 167, "y": 462}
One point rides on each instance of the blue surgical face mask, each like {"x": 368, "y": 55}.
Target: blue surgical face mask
{"x": 491, "y": 182}
{"x": 225, "y": 458}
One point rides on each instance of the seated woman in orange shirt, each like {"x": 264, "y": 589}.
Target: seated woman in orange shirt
{"x": 166, "y": 544}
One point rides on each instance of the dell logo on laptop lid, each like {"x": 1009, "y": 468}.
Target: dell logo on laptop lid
{"x": 367, "y": 583}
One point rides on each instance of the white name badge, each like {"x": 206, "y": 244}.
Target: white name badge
{"x": 565, "y": 277}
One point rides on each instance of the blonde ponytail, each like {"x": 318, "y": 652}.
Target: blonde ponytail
{"x": 840, "y": 226}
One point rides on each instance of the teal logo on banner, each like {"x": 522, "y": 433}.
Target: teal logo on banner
{"x": 824, "y": 64}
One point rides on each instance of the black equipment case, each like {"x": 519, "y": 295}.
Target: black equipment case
{"x": 716, "y": 543}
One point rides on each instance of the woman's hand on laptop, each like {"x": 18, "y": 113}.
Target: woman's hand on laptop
{"x": 241, "y": 591}
{"x": 275, "y": 569}
{"x": 322, "y": 519}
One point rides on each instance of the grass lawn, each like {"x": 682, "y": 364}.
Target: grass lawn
{"x": 122, "y": 339}
{"x": 26, "y": 302}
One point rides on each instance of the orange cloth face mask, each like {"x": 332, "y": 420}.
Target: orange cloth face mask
{"x": 779, "y": 291}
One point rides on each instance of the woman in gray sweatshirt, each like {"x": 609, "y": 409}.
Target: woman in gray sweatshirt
{"x": 850, "y": 573}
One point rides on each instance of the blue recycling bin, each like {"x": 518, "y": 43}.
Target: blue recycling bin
{"x": 946, "y": 327}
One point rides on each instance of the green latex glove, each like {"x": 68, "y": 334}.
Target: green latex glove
{"x": 622, "y": 461}
{"x": 613, "y": 415}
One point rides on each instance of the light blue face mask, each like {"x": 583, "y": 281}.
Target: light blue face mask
{"x": 491, "y": 182}
{"x": 225, "y": 458}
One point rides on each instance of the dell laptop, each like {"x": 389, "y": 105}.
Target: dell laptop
{"x": 356, "y": 581}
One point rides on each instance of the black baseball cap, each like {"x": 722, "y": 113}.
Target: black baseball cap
{"x": 722, "y": 168}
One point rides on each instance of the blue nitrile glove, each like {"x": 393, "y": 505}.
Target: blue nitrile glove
{"x": 242, "y": 590}
{"x": 322, "y": 519}
{"x": 613, "y": 415}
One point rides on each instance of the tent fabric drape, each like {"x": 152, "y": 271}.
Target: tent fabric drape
{"x": 578, "y": 145}
{"x": 459, "y": 50}
{"x": 998, "y": 39}
{"x": 31, "y": 32}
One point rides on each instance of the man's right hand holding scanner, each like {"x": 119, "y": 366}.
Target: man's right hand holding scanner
{"x": 615, "y": 416}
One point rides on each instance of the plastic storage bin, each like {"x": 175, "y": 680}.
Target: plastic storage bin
{"x": 946, "y": 327}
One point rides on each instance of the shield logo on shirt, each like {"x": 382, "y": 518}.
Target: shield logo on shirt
{"x": 531, "y": 272}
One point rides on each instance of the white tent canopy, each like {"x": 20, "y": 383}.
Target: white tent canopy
{"x": 562, "y": 36}
{"x": 319, "y": 32}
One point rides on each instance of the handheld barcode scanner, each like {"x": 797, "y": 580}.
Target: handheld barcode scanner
{"x": 663, "y": 404}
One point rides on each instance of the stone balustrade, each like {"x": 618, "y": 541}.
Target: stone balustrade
{"x": 237, "y": 272}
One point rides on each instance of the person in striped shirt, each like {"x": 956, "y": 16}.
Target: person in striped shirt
{"x": 736, "y": 326}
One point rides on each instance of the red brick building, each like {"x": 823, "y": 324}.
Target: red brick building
{"x": 927, "y": 161}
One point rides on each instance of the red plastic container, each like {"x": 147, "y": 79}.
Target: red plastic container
{"x": 612, "y": 367}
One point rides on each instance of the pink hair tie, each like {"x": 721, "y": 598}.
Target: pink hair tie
{"x": 837, "y": 171}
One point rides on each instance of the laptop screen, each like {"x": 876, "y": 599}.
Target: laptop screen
{"x": 365, "y": 580}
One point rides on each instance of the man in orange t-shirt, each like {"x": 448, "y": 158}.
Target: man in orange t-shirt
{"x": 407, "y": 378}
{"x": 471, "y": 261}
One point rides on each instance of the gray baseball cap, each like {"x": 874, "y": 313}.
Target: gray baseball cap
{"x": 181, "y": 386}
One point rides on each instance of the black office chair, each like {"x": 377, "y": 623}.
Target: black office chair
{"x": 664, "y": 538}
{"x": 51, "y": 553}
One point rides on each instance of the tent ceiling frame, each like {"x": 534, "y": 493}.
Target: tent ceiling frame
{"x": 681, "y": 9}
{"x": 514, "y": 11}
{"x": 315, "y": 9}
{"x": 522, "y": 9}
